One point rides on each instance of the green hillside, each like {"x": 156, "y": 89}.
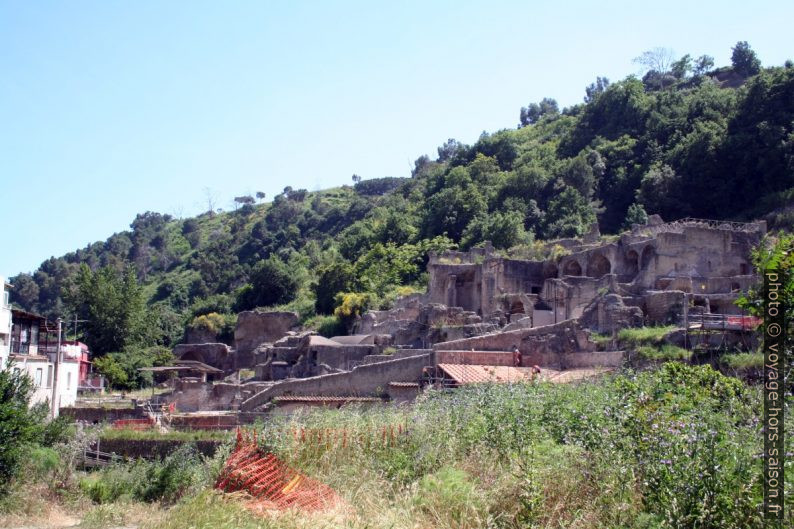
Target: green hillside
{"x": 717, "y": 145}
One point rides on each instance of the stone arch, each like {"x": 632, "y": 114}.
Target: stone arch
{"x": 517, "y": 307}
{"x": 599, "y": 266}
{"x": 648, "y": 253}
{"x": 193, "y": 355}
{"x": 631, "y": 263}
{"x": 572, "y": 268}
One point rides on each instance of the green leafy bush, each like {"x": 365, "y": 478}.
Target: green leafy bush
{"x": 20, "y": 425}
{"x": 151, "y": 481}
{"x": 743, "y": 360}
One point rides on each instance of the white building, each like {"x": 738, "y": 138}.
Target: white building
{"x": 31, "y": 343}
{"x": 5, "y": 323}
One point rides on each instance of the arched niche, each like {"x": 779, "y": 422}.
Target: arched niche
{"x": 648, "y": 253}
{"x": 598, "y": 266}
{"x": 572, "y": 268}
{"x": 631, "y": 264}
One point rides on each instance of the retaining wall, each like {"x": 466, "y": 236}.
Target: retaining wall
{"x": 364, "y": 380}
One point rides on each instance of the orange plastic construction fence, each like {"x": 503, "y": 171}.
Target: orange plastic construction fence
{"x": 271, "y": 483}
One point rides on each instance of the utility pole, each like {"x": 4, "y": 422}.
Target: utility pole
{"x": 76, "y": 321}
{"x": 54, "y": 400}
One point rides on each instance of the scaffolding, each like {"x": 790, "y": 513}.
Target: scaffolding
{"x": 707, "y": 332}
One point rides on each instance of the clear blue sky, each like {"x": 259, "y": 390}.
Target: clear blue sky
{"x": 111, "y": 108}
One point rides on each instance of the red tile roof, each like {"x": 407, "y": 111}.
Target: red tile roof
{"x": 322, "y": 398}
{"x": 476, "y": 374}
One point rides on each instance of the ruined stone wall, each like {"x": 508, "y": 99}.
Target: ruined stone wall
{"x": 564, "y": 336}
{"x": 255, "y": 328}
{"x": 571, "y": 295}
{"x": 665, "y": 307}
{"x": 191, "y": 395}
{"x": 484, "y": 358}
{"x": 152, "y": 448}
{"x": 217, "y": 355}
{"x": 340, "y": 357}
{"x": 99, "y": 414}
{"x": 576, "y": 360}
{"x": 365, "y": 380}
{"x": 697, "y": 252}
{"x": 399, "y": 353}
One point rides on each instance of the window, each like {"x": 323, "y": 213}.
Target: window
{"x": 37, "y": 378}
{"x": 49, "y": 376}
{"x": 68, "y": 381}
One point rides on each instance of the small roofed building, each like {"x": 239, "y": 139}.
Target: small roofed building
{"x": 188, "y": 368}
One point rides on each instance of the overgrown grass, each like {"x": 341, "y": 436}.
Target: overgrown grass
{"x": 644, "y": 335}
{"x": 667, "y": 448}
{"x": 120, "y": 514}
{"x": 213, "y": 510}
{"x": 663, "y": 353}
{"x": 743, "y": 360}
{"x": 173, "y": 435}
{"x": 602, "y": 341}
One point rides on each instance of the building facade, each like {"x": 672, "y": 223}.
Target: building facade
{"x": 30, "y": 343}
{"x": 5, "y": 323}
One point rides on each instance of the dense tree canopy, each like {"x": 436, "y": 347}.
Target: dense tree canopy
{"x": 113, "y": 309}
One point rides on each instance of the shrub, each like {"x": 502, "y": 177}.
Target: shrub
{"x": 350, "y": 305}
{"x": 169, "y": 480}
{"x": 42, "y": 461}
{"x": 20, "y": 425}
{"x": 150, "y": 481}
{"x": 328, "y": 326}
{"x": 221, "y": 325}
{"x": 743, "y": 360}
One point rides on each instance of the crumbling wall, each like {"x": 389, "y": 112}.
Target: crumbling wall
{"x": 608, "y": 314}
{"x": 192, "y": 394}
{"x": 364, "y": 380}
{"x": 484, "y": 358}
{"x": 218, "y": 355}
{"x": 665, "y": 307}
{"x": 564, "y": 336}
{"x": 255, "y": 328}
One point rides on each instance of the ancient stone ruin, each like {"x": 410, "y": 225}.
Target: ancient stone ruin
{"x": 500, "y": 316}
